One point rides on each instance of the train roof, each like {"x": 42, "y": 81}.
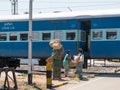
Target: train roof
{"x": 64, "y": 15}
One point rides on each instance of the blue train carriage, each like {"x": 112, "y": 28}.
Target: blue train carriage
{"x": 14, "y": 35}
{"x": 93, "y": 31}
{"x": 105, "y": 37}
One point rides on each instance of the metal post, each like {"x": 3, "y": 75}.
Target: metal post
{"x": 14, "y": 7}
{"x": 49, "y": 75}
{"x": 85, "y": 65}
{"x": 30, "y": 45}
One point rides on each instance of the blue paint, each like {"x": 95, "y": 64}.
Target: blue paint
{"x": 103, "y": 23}
{"x": 39, "y": 25}
{"x": 39, "y": 49}
{"x": 55, "y": 25}
{"x": 105, "y": 49}
{"x": 13, "y": 26}
{"x": 98, "y": 48}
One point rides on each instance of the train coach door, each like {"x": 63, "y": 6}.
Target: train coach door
{"x": 85, "y": 27}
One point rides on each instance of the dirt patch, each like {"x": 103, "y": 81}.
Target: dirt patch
{"x": 38, "y": 82}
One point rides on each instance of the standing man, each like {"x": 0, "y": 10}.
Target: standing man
{"x": 80, "y": 62}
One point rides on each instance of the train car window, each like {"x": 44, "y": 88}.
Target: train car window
{"x": 35, "y": 36}
{"x": 3, "y": 36}
{"x": 59, "y": 34}
{"x": 70, "y": 36}
{"x": 111, "y": 35}
{"x": 97, "y": 35}
{"x": 23, "y": 36}
{"x": 83, "y": 36}
{"x": 13, "y": 36}
{"x": 46, "y": 36}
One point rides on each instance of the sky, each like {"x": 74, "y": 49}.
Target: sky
{"x": 44, "y": 6}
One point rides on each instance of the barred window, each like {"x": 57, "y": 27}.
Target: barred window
{"x": 97, "y": 35}
{"x": 35, "y": 36}
{"x": 46, "y": 36}
{"x": 13, "y": 36}
{"x": 59, "y": 34}
{"x": 23, "y": 36}
{"x": 111, "y": 34}
{"x": 3, "y": 36}
{"x": 70, "y": 36}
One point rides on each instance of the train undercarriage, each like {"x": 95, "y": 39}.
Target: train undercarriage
{"x": 9, "y": 62}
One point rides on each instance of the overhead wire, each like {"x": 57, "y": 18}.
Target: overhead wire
{"x": 91, "y": 4}
{"x": 50, "y": 1}
{"x": 79, "y": 6}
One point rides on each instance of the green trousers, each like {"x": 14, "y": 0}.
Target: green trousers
{"x": 57, "y": 69}
{"x": 79, "y": 68}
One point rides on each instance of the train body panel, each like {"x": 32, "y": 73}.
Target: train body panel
{"x": 10, "y": 26}
{"x": 103, "y": 49}
{"x": 105, "y": 37}
{"x": 39, "y": 49}
{"x": 98, "y": 35}
{"x": 105, "y": 22}
{"x": 14, "y": 37}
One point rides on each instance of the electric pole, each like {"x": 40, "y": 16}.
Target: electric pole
{"x": 30, "y": 44}
{"x": 14, "y": 7}
{"x": 69, "y": 9}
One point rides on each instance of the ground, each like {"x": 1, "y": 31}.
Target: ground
{"x": 38, "y": 82}
{"x": 39, "y": 78}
